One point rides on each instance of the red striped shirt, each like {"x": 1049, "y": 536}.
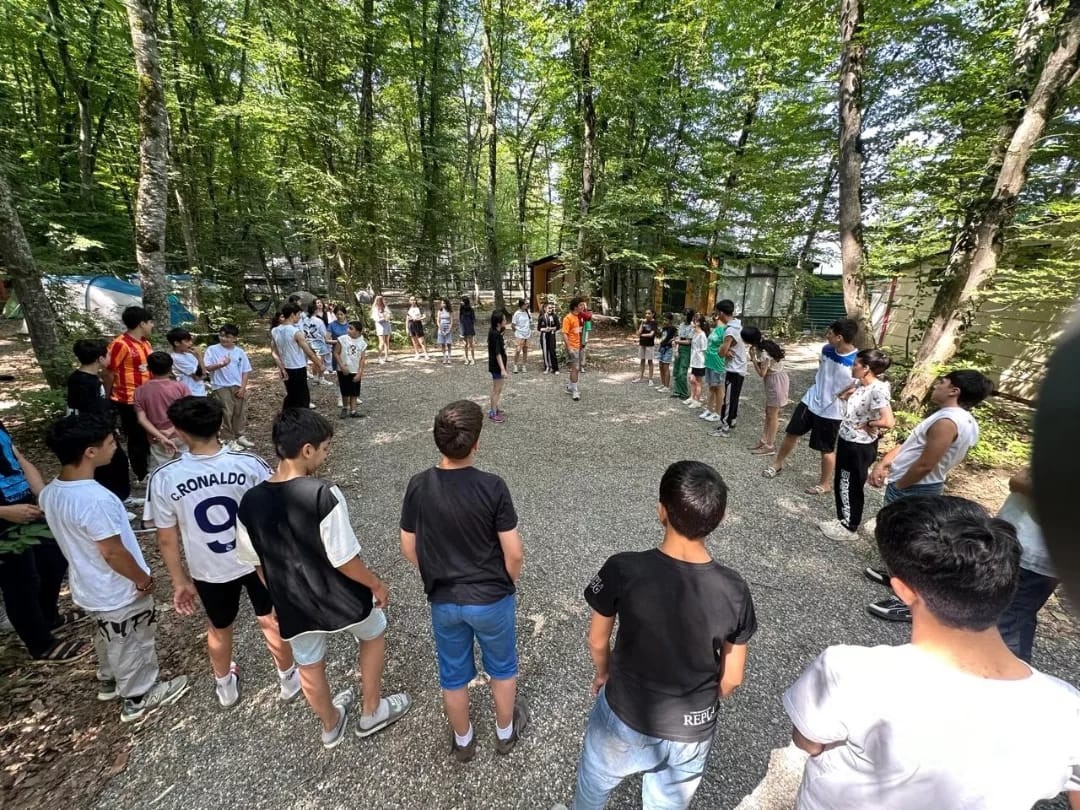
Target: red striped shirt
{"x": 127, "y": 362}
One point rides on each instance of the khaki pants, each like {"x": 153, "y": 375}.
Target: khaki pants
{"x": 124, "y": 642}
{"x": 234, "y": 418}
{"x": 159, "y": 455}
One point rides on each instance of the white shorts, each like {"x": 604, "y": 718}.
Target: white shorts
{"x": 309, "y": 648}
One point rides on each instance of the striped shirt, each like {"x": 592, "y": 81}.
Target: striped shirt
{"x": 127, "y": 362}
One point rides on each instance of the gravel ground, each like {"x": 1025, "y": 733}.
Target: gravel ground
{"x": 584, "y": 476}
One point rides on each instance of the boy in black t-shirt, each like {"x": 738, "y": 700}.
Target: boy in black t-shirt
{"x": 656, "y": 692}
{"x": 496, "y": 363}
{"x": 294, "y": 528}
{"x": 86, "y": 396}
{"x": 459, "y": 527}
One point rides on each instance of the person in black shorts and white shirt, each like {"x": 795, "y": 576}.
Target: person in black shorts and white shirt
{"x": 194, "y": 499}
{"x": 657, "y": 691}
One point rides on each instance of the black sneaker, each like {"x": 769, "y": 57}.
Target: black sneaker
{"x": 877, "y": 575}
{"x": 521, "y": 722}
{"x": 891, "y": 610}
{"x": 462, "y": 753}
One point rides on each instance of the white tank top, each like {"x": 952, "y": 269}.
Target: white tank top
{"x": 967, "y": 434}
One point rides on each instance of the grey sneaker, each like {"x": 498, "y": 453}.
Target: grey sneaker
{"x": 521, "y": 723}
{"x": 107, "y": 689}
{"x": 891, "y": 610}
{"x": 342, "y": 701}
{"x": 462, "y": 753}
{"x": 163, "y": 693}
{"x": 396, "y": 707}
{"x": 575, "y": 396}
{"x": 344, "y": 412}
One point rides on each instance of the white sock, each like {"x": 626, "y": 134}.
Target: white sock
{"x": 286, "y": 674}
{"x": 380, "y": 714}
{"x": 463, "y": 741}
{"x": 504, "y": 734}
{"x": 226, "y": 681}
{"x": 573, "y": 386}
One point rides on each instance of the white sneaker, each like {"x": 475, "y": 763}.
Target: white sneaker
{"x": 651, "y": 385}
{"x": 835, "y": 530}
{"x": 229, "y": 693}
{"x": 694, "y": 404}
{"x": 705, "y": 414}
{"x": 688, "y": 401}
{"x": 575, "y": 396}
{"x": 712, "y": 417}
{"x": 244, "y": 441}
{"x": 135, "y": 502}
{"x": 662, "y": 389}
{"x": 290, "y": 686}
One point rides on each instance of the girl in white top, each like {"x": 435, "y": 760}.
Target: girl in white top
{"x": 444, "y": 335}
{"x": 522, "y": 322}
{"x": 867, "y": 413}
{"x": 414, "y": 317}
{"x": 380, "y": 315}
{"x": 698, "y": 344}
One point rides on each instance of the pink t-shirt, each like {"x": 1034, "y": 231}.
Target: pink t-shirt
{"x": 155, "y": 396}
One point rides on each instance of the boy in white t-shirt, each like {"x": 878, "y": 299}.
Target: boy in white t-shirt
{"x": 952, "y": 719}
{"x": 194, "y": 500}
{"x": 187, "y": 361}
{"x": 522, "y": 323}
{"x": 229, "y": 368}
{"x": 108, "y": 576}
{"x": 349, "y": 352}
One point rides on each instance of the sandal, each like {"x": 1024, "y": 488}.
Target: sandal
{"x": 771, "y": 472}
{"x": 763, "y": 450}
{"x": 70, "y": 618}
{"x": 816, "y": 489}
{"x": 65, "y": 652}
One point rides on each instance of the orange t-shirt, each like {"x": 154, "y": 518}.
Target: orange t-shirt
{"x": 571, "y": 327}
{"x": 127, "y": 362}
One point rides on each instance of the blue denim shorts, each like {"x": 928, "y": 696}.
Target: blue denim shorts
{"x": 493, "y": 626}
{"x": 666, "y": 354}
{"x": 894, "y": 494}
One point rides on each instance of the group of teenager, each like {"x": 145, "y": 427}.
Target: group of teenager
{"x": 884, "y": 727}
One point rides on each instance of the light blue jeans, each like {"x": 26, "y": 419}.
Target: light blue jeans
{"x": 613, "y": 751}
{"x": 894, "y": 494}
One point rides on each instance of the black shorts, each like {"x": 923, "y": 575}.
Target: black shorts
{"x": 222, "y": 599}
{"x": 347, "y": 385}
{"x": 823, "y": 432}
{"x": 416, "y": 328}
{"x": 698, "y": 372}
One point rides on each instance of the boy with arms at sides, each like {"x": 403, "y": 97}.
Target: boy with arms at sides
{"x": 734, "y": 351}
{"x": 657, "y": 691}
{"x": 229, "y": 369}
{"x": 952, "y": 719}
{"x": 86, "y": 395}
{"x": 350, "y": 355}
{"x": 922, "y": 463}
{"x": 294, "y": 528}
{"x": 571, "y": 333}
{"x": 459, "y": 527}
{"x": 107, "y": 573}
{"x": 821, "y": 411}
{"x": 522, "y": 322}
{"x": 187, "y": 361}
{"x": 125, "y": 372}
{"x": 152, "y": 402}
{"x": 194, "y": 499}
{"x": 496, "y": 364}
{"x": 293, "y": 352}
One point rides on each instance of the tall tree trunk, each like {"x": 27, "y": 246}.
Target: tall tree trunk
{"x": 367, "y": 133}
{"x": 852, "y": 250}
{"x": 152, "y": 203}
{"x": 588, "y": 152}
{"x": 491, "y": 242}
{"x": 40, "y": 318}
{"x": 976, "y": 248}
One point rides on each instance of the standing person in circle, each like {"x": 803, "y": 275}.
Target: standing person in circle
{"x": 444, "y": 335}
{"x": 294, "y": 352}
{"x": 699, "y": 344}
{"x": 414, "y": 317}
{"x": 380, "y": 314}
{"x": 337, "y": 328}
{"x": 680, "y": 384}
{"x": 127, "y": 371}
{"x": 522, "y": 322}
{"x": 548, "y": 326}
{"x": 314, "y": 328}
{"x": 715, "y": 369}
{"x": 867, "y": 414}
{"x": 768, "y": 360}
{"x": 571, "y": 331}
{"x": 646, "y": 335}
{"x": 467, "y": 325}
{"x": 734, "y": 352}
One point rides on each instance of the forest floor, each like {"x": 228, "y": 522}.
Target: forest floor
{"x": 584, "y": 476}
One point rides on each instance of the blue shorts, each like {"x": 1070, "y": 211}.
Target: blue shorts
{"x": 666, "y": 354}
{"x": 495, "y": 630}
{"x": 496, "y": 375}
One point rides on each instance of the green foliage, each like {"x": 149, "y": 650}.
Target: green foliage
{"x": 37, "y": 408}
{"x": 22, "y": 536}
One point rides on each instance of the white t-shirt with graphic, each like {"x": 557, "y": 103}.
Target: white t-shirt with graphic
{"x": 522, "y": 322}
{"x": 916, "y": 732}
{"x": 833, "y": 376}
{"x": 81, "y": 514}
{"x": 200, "y": 495}
{"x": 185, "y": 364}
{"x": 232, "y": 374}
{"x": 352, "y": 350}
{"x": 864, "y": 405}
{"x": 967, "y": 435}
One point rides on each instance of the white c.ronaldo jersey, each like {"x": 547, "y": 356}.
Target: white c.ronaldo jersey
{"x": 200, "y": 495}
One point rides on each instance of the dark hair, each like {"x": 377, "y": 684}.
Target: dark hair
{"x": 230, "y": 329}
{"x": 771, "y": 348}
{"x": 725, "y": 307}
{"x": 497, "y": 317}
{"x": 446, "y": 303}
{"x": 296, "y": 427}
{"x": 294, "y": 299}
{"x": 695, "y": 498}
{"x": 87, "y": 350}
{"x": 174, "y": 336}
{"x": 133, "y": 316}
{"x": 751, "y": 335}
{"x": 668, "y": 316}
{"x": 457, "y": 428}
{"x": 159, "y": 363}
{"x": 974, "y": 386}
{"x": 574, "y": 302}
{"x": 340, "y": 308}
{"x": 276, "y": 319}
{"x": 847, "y": 328}
{"x": 877, "y": 362}
{"x": 197, "y": 416}
{"x": 702, "y": 321}
{"x": 521, "y": 303}
{"x": 358, "y": 326}
{"x": 964, "y": 563}
{"x": 289, "y": 310}
{"x": 70, "y": 437}
{"x": 465, "y": 305}
{"x": 688, "y": 315}
{"x": 311, "y": 308}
